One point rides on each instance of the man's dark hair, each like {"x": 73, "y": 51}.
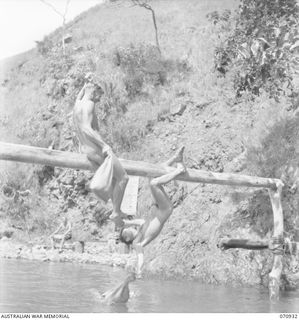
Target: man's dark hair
{"x": 122, "y": 239}
{"x": 99, "y": 88}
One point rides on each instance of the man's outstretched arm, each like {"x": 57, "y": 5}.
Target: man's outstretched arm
{"x": 133, "y": 222}
{"x": 81, "y": 93}
{"x": 140, "y": 259}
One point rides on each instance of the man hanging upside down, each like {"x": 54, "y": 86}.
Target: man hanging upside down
{"x": 140, "y": 232}
{"x": 110, "y": 179}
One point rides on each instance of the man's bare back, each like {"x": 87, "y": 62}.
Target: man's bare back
{"x": 86, "y": 124}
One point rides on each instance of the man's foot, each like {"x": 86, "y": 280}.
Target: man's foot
{"x": 118, "y": 218}
{"x": 118, "y": 215}
{"x": 177, "y": 158}
{"x": 181, "y": 167}
{"x": 179, "y": 155}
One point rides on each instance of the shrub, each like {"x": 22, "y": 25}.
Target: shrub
{"x": 260, "y": 47}
{"x": 114, "y": 102}
{"x": 143, "y": 64}
{"x": 17, "y": 200}
{"x": 101, "y": 215}
{"x": 125, "y": 135}
{"x": 45, "y": 46}
{"x": 277, "y": 150}
{"x": 277, "y": 156}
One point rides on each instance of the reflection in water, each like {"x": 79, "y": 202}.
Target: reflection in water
{"x": 30, "y": 286}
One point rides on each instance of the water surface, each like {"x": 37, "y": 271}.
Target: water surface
{"x": 32, "y": 286}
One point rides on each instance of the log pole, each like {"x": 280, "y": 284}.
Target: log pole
{"x": 22, "y": 153}
{"x": 226, "y": 244}
{"x": 277, "y": 246}
{"x": 28, "y": 154}
{"x": 290, "y": 247}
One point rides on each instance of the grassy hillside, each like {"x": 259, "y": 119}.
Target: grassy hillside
{"x": 152, "y": 105}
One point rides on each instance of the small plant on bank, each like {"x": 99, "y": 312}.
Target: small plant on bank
{"x": 45, "y": 46}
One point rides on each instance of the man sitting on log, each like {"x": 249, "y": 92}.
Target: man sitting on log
{"x": 62, "y": 233}
{"x": 110, "y": 179}
{"x": 140, "y": 232}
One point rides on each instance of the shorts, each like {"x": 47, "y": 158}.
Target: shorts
{"x": 108, "y": 175}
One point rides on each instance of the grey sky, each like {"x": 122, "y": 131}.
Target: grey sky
{"x": 22, "y": 22}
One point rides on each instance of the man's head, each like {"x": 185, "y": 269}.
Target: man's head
{"x": 131, "y": 276}
{"x": 93, "y": 91}
{"x": 98, "y": 92}
{"x": 127, "y": 235}
{"x": 89, "y": 77}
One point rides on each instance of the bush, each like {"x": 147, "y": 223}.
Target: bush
{"x": 22, "y": 202}
{"x": 101, "y": 215}
{"x": 124, "y": 135}
{"x": 45, "y": 46}
{"x": 144, "y": 64}
{"x": 113, "y": 102}
{"x": 277, "y": 150}
{"x": 261, "y": 47}
{"x": 14, "y": 181}
{"x": 277, "y": 156}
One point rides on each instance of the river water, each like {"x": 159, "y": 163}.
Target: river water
{"x": 31, "y": 286}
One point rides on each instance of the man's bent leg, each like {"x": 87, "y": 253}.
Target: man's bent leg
{"x": 162, "y": 200}
{"x": 120, "y": 184}
{"x": 62, "y": 243}
{"x": 117, "y": 197}
{"x": 52, "y": 242}
{"x": 95, "y": 160}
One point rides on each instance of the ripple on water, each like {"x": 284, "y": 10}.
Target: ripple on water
{"x": 31, "y": 286}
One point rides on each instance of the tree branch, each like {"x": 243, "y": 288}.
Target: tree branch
{"x": 52, "y": 7}
{"x": 146, "y": 6}
{"x": 66, "y": 8}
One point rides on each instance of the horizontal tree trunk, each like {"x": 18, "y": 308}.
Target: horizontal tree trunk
{"x": 291, "y": 247}
{"x": 244, "y": 244}
{"x": 22, "y": 153}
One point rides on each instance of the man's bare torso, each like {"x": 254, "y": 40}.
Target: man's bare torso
{"x": 153, "y": 224}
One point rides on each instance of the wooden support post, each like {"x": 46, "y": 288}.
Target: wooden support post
{"x": 16, "y": 152}
{"x": 277, "y": 241}
{"x": 226, "y": 244}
